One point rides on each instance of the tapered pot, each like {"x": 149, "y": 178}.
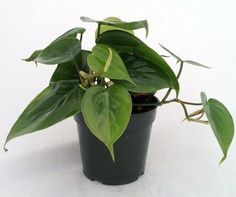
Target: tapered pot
{"x": 130, "y": 151}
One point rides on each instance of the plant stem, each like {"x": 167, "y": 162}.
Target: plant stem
{"x": 178, "y": 75}
{"x": 81, "y": 38}
{"x": 179, "y": 101}
{"x": 78, "y": 70}
{"x": 166, "y": 95}
{"x": 188, "y": 117}
{"x": 189, "y": 103}
{"x": 185, "y": 111}
{"x": 180, "y": 69}
{"x": 99, "y": 29}
{"x": 200, "y": 116}
{"x": 198, "y": 121}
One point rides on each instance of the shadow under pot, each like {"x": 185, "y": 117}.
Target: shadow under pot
{"x": 130, "y": 150}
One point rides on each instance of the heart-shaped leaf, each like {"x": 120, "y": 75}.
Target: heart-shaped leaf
{"x": 221, "y": 122}
{"x": 58, "y": 52}
{"x": 107, "y": 112}
{"x": 57, "y": 102}
{"x": 123, "y": 42}
{"x": 121, "y": 24}
{"x": 146, "y": 75}
{"x": 72, "y": 33}
{"x": 106, "y": 62}
{"x": 68, "y": 71}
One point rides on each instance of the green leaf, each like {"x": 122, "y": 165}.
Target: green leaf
{"x": 146, "y": 75}
{"x": 185, "y": 61}
{"x": 123, "y": 42}
{"x": 33, "y": 56}
{"x": 107, "y": 112}
{"x": 68, "y": 71}
{"x": 120, "y": 24}
{"x": 58, "y": 52}
{"x": 106, "y": 62}
{"x": 195, "y": 63}
{"x": 54, "y": 104}
{"x": 171, "y": 53}
{"x": 72, "y": 33}
{"x": 65, "y": 71}
{"x": 104, "y": 28}
{"x": 221, "y": 122}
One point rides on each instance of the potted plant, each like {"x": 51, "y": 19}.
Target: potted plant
{"x": 110, "y": 92}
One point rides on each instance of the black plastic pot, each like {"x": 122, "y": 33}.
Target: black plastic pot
{"x": 130, "y": 151}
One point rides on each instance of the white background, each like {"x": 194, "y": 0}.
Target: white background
{"x": 183, "y": 157}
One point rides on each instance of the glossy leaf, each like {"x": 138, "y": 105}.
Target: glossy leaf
{"x": 107, "y": 112}
{"x": 33, "y": 56}
{"x": 121, "y": 24}
{"x": 106, "y": 62}
{"x": 104, "y": 28}
{"x": 146, "y": 76}
{"x": 68, "y": 71}
{"x": 72, "y": 33}
{"x": 58, "y": 52}
{"x": 123, "y": 42}
{"x": 221, "y": 122}
{"x": 54, "y": 104}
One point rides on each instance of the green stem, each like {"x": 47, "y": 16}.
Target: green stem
{"x": 178, "y": 75}
{"x": 81, "y": 38}
{"x": 180, "y": 69}
{"x": 188, "y": 117}
{"x": 78, "y": 70}
{"x": 198, "y": 121}
{"x": 179, "y": 101}
{"x": 189, "y": 103}
{"x": 200, "y": 116}
{"x": 82, "y": 87}
{"x": 99, "y": 29}
{"x": 185, "y": 110}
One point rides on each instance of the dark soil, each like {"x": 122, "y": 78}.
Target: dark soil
{"x": 143, "y": 102}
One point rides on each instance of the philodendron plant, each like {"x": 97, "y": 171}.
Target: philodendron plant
{"x": 101, "y": 82}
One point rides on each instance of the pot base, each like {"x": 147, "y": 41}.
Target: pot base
{"x": 113, "y": 182}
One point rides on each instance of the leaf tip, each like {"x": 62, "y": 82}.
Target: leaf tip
{"x": 82, "y": 18}
{"x": 111, "y": 150}
{"x": 203, "y": 96}
{"x": 4, "y": 147}
{"x": 222, "y": 160}
{"x": 5, "y": 150}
